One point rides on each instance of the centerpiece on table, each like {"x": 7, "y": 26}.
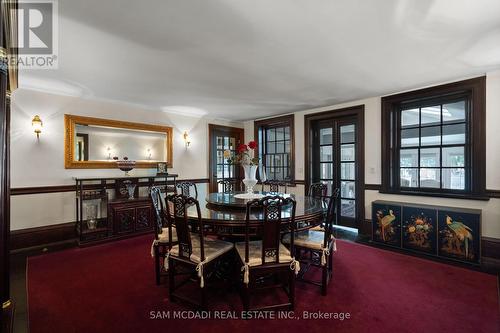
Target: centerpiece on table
{"x": 245, "y": 156}
{"x": 125, "y": 165}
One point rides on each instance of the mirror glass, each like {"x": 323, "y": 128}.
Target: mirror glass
{"x": 101, "y": 143}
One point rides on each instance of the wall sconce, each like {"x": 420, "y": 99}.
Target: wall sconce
{"x": 37, "y": 124}
{"x": 187, "y": 140}
{"x": 109, "y": 153}
{"x": 149, "y": 153}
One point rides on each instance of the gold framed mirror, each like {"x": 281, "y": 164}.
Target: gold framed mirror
{"x": 95, "y": 143}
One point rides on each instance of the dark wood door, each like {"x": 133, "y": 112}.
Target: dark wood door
{"x": 336, "y": 162}
{"x": 222, "y": 138}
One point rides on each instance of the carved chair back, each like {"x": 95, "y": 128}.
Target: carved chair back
{"x": 228, "y": 185}
{"x": 177, "y": 212}
{"x": 160, "y": 220}
{"x": 187, "y": 189}
{"x": 331, "y": 215}
{"x": 275, "y": 186}
{"x": 318, "y": 190}
{"x": 271, "y": 208}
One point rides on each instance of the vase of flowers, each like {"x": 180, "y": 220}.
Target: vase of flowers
{"x": 245, "y": 156}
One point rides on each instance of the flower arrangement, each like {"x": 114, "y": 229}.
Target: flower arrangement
{"x": 245, "y": 154}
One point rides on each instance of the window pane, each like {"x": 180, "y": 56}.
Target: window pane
{"x": 219, "y": 171}
{"x": 232, "y": 143}
{"x": 280, "y": 133}
{"x": 453, "y": 156}
{"x": 271, "y": 147}
{"x": 347, "y": 152}
{"x": 429, "y": 157}
{"x": 453, "y": 134}
{"x": 226, "y": 142}
{"x": 325, "y": 154}
{"x": 430, "y": 178}
{"x": 271, "y": 134}
{"x": 431, "y": 136}
{"x": 347, "y": 171}
{"x": 410, "y": 117}
{"x": 325, "y": 136}
{"x": 347, "y": 134}
{"x": 287, "y": 133}
{"x": 430, "y": 115}
{"x": 408, "y": 158}
{"x": 326, "y": 171}
{"x": 348, "y": 208}
{"x": 454, "y": 111}
{"x": 220, "y": 142}
{"x": 280, "y": 147}
{"x": 220, "y": 157}
{"x": 409, "y": 177}
{"x": 454, "y": 179}
{"x": 409, "y": 137}
{"x": 348, "y": 189}
{"x": 287, "y": 147}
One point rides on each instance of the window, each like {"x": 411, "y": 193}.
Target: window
{"x": 433, "y": 141}
{"x": 275, "y": 140}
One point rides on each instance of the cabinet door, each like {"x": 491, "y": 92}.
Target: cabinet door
{"x": 124, "y": 220}
{"x": 143, "y": 218}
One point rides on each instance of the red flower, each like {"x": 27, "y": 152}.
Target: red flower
{"x": 252, "y": 145}
{"x": 242, "y": 148}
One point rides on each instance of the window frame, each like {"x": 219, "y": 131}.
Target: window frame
{"x": 277, "y": 122}
{"x": 474, "y": 90}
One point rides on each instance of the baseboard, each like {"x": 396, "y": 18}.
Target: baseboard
{"x": 39, "y": 236}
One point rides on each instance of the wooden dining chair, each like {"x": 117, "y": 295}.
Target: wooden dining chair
{"x": 277, "y": 186}
{"x": 316, "y": 247}
{"x": 228, "y": 185}
{"x": 267, "y": 260}
{"x": 162, "y": 243}
{"x": 318, "y": 190}
{"x": 188, "y": 189}
{"x": 195, "y": 253}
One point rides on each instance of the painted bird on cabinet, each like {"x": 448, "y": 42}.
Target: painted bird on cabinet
{"x": 385, "y": 222}
{"x": 461, "y": 231}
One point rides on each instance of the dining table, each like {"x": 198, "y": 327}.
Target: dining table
{"x": 224, "y": 214}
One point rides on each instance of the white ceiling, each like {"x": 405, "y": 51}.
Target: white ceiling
{"x": 245, "y": 59}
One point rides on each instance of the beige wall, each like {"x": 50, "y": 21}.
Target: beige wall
{"x": 41, "y": 163}
{"x": 491, "y": 208}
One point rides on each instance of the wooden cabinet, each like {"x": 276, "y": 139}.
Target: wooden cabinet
{"x": 130, "y": 216}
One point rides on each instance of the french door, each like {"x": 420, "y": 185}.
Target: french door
{"x": 336, "y": 161}
{"x": 221, "y": 139}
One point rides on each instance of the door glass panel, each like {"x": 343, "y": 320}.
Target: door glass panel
{"x": 347, "y": 171}
{"x": 347, "y": 134}
{"x": 348, "y": 189}
{"x": 347, "y": 153}
{"x": 326, "y": 170}
{"x": 348, "y": 208}
{"x": 325, "y": 154}
{"x": 325, "y": 136}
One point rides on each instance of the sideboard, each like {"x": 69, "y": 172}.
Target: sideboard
{"x": 106, "y": 210}
{"x": 446, "y": 232}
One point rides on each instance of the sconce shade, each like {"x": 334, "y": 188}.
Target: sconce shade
{"x": 37, "y": 124}
{"x": 187, "y": 141}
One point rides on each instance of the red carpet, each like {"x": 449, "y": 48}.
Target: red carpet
{"x": 110, "y": 288}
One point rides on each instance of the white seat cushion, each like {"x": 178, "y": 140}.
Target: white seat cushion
{"x": 255, "y": 253}
{"x": 213, "y": 248}
{"x": 163, "y": 237}
{"x": 310, "y": 239}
